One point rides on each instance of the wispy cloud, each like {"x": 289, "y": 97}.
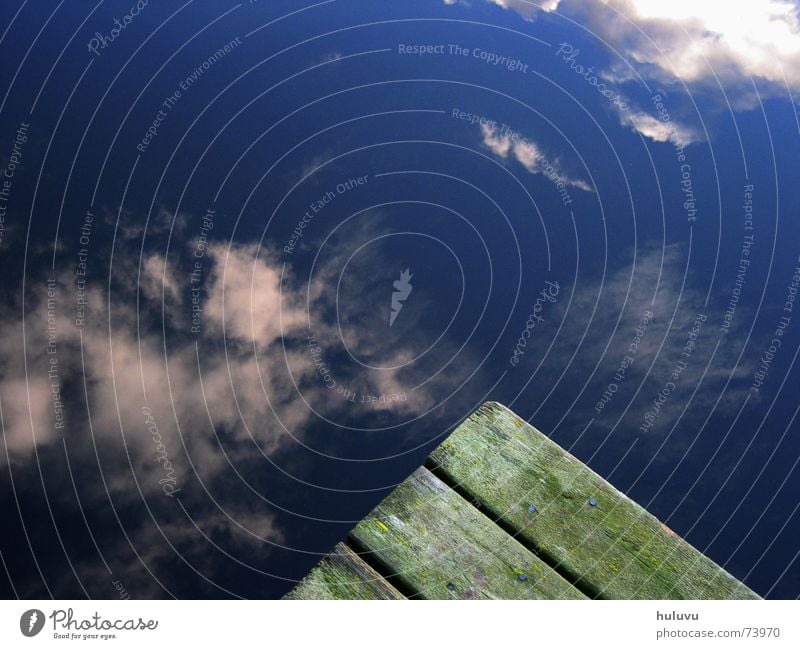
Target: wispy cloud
{"x": 659, "y": 130}
{"x": 607, "y": 318}
{"x": 133, "y": 393}
{"x": 505, "y": 144}
{"x": 255, "y": 387}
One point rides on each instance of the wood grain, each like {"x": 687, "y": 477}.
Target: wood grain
{"x": 438, "y": 546}
{"x": 605, "y": 543}
{"x": 343, "y": 575}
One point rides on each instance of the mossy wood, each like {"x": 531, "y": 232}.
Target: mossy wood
{"x": 343, "y": 575}
{"x": 604, "y": 542}
{"x": 437, "y": 546}
{"x": 503, "y": 512}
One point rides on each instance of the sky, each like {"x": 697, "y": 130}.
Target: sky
{"x": 260, "y": 258}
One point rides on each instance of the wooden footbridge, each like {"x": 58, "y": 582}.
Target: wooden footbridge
{"x": 499, "y": 511}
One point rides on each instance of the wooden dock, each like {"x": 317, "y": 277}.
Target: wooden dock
{"x": 499, "y": 511}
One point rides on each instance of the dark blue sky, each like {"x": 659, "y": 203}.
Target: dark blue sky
{"x": 220, "y": 197}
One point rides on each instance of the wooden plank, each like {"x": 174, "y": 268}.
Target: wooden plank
{"x": 437, "y": 546}
{"x": 604, "y": 542}
{"x": 343, "y": 575}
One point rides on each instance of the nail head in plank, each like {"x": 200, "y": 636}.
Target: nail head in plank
{"x": 606, "y": 543}
{"x": 440, "y": 547}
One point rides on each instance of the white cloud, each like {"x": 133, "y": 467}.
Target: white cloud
{"x": 526, "y": 8}
{"x": 500, "y": 145}
{"x": 505, "y": 143}
{"x": 155, "y": 278}
{"x": 245, "y": 294}
{"x": 215, "y": 401}
{"x": 689, "y": 40}
{"x": 257, "y": 387}
{"x": 659, "y": 130}
{"x": 19, "y": 420}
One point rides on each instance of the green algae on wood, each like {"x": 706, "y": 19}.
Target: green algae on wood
{"x": 343, "y": 575}
{"x": 438, "y": 546}
{"x": 611, "y": 549}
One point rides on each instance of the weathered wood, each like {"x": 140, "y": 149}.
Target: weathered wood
{"x": 606, "y": 544}
{"x": 513, "y": 516}
{"x": 438, "y": 546}
{"x": 343, "y": 575}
